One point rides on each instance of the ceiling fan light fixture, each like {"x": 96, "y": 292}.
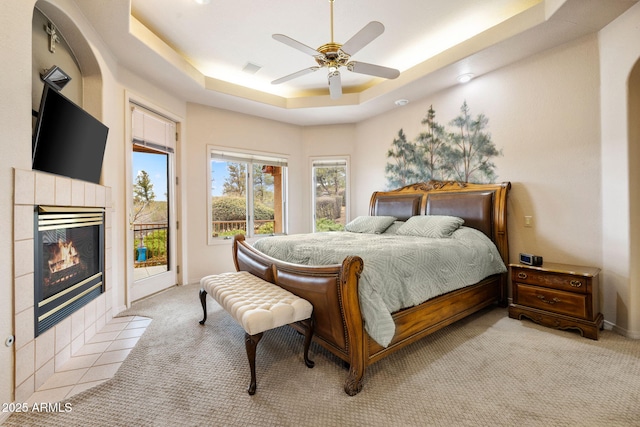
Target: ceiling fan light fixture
{"x": 465, "y": 78}
{"x": 334, "y": 55}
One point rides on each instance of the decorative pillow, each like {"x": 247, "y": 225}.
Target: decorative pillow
{"x": 370, "y": 224}
{"x": 434, "y": 226}
{"x": 393, "y": 228}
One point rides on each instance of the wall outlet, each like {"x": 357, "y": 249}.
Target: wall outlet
{"x": 528, "y": 221}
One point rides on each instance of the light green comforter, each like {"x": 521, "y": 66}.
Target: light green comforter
{"x": 399, "y": 271}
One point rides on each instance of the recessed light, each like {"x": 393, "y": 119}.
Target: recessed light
{"x": 401, "y": 102}
{"x": 465, "y": 78}
{"x": 202, "y": 1}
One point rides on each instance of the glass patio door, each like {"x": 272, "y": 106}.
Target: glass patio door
{"x": 151, "y": 260}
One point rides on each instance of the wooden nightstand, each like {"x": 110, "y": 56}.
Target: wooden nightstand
{"x": 560, "y": 296}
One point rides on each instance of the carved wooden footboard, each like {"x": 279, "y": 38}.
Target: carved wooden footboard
{"x": 333, "y": 289}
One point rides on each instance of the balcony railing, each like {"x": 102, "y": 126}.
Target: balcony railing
{"x": 227, "y": 228}
{"x": 150, "y": 244}
{"x": 150, "y": 240}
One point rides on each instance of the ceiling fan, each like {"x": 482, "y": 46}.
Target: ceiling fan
{"x": 334, "y": 55}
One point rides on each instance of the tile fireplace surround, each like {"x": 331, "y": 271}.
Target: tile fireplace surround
{"x": 37, "y": 359}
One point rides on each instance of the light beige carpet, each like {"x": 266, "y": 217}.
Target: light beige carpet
{"x": 487, "y": 370}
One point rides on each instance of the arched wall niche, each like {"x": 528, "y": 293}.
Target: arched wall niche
{"x": 633, "y": 122}
{"x": 43, "y": 58}
{"x": 84, "y": 56}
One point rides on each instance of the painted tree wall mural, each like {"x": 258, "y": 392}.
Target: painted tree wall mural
{"x": 462, "y": 154}
{"x": 401, "y": 171}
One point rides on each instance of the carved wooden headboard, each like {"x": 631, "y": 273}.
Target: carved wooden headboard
{"x": 482, "y": 206}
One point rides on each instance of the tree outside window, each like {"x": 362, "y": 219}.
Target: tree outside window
{"x": 330, "y": 194}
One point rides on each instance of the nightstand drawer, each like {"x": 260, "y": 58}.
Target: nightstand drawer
{"x": 550, "y": 280}
{"x": 570, "y": 304}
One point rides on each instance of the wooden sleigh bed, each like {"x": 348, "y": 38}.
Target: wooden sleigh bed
{"x": 333, "y": 289}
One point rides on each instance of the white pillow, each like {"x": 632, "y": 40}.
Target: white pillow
{"x": 434, "y": 226}
{"x": 370, "y": 224}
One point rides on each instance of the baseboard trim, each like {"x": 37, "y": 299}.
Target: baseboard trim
{"x": 634, "y": 335}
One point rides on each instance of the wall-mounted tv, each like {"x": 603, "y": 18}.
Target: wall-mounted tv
{"x": 67, "y": 140}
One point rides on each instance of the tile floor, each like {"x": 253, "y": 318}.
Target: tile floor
{"x": 96, "y": 362}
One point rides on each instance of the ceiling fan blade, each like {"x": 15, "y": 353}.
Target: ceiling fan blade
{"x": 294, "y": 75}
{"x": 363, "y": 37}
{"x": 296, "y": 44}
{"x": 373, "y": 70}
{"x": 335, "y": 85}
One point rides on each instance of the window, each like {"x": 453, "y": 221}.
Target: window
{"x": 330, "y": 194}
{"x": 247, "y": 194}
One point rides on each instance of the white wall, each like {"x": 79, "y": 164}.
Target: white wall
{"x": 618, "y": 55}
{"x": 325, "y": 141}
{"x": 15, "y": 137}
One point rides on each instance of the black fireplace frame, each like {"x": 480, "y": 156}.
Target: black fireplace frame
{"x": 53, "y": 309}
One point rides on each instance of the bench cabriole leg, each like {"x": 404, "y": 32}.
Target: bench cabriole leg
{"x": 309, "y": 325}
{"x": 250, "y": 343}
{"x": 203, "y": 301}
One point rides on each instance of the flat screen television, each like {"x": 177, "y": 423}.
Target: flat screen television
{"x": 67, "y": 140}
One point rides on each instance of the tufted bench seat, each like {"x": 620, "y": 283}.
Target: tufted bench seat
{"x": 257, "y": 306}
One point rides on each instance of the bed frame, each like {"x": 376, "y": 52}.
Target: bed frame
{"x": 333, "y": 289}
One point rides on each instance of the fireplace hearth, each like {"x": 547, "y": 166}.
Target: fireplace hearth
{"x": 69, "y": 261}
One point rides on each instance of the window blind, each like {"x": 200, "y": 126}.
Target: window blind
{"x": 153, "y": 131}
{"x": 329, "y": 163}
{"x": 229, "y": 156}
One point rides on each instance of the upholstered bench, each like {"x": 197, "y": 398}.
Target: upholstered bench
{"x": 257, "y": 306}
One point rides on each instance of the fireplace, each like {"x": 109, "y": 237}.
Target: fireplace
{"x": 69, "y": 261}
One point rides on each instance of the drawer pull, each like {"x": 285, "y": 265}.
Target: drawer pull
{"x": 546, "y": 301}
{"x": 575, "y": 283}
{"x": 522, "y": 275}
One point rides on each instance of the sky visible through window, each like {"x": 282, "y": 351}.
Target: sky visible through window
{"x": 219, "y": 176}
{"x": 155, "y": 165}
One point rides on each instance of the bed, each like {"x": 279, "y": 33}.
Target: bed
{"x": 333, "y": 289}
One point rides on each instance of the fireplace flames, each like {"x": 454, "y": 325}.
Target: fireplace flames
{"x": 64, "y": 264}
{"x": 65, "y": 256}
